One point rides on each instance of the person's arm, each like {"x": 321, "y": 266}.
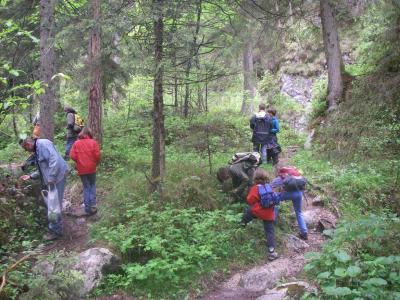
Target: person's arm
{"x": 253, "y": 197}
{"x": 97, "y": 153}
{"x": 275, "y": 126}
{"x": 244, "y": 181}
{"x": 70, "y": 120}
{"x": 51, "y": 156}
{"x": 73, "y": 153}
{"x": 253, "y": 122}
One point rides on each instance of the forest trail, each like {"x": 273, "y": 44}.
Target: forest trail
{"x": 259, "y": 281}
{"x": 76, "y": 230}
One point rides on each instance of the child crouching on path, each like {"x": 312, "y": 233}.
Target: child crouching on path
{"x": 86, "y": 154}
{"x": 256, "y": 210}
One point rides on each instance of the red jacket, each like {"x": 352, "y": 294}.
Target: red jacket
{"x": 253, "y": 199}
{"x": 86, "y": 153}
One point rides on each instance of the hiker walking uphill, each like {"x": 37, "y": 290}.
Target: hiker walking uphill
{"x": 292, "y": 184}
{"x": 52, "y": 171}
{"x": 74, "y": 126}
{"x": 261, "y": 124}
{"x": 86, "y": 154}
{"x": 262, "y": 199}
{"x": 240, "y": 172}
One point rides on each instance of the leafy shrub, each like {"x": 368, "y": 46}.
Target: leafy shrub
{"x": 166, "y": 248}
{"x": 359, "y": 262}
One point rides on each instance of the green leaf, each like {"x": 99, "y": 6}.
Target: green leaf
{"x": 342, "y": 256}
{"x": 375, "y": 281}
{"x": 337, "y": 291}
{"x": 353, "y": 271}
{"x": 324, "y": 275}
{"x": 340, "y": 272}
{"x": 14, "y": 72}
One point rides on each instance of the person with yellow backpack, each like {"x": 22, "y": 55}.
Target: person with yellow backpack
{"x": 74, "y": 126}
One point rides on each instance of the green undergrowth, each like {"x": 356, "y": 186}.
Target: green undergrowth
{"x": 361, "y": 261}
{"x": 172, "y": 243}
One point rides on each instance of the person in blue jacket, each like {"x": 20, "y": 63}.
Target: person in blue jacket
{"x": 51, "y": 169}
{"x": 275, "y": 122}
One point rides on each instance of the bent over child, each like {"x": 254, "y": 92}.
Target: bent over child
{"x": 258, "y": 210}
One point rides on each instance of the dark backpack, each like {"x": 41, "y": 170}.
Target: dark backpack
{"x": 262, "y": 126}
{"x": 294, "y": 183}
{"x": 267, "y": 197}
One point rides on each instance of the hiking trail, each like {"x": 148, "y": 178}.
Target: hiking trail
{"x": 264, "y": 281}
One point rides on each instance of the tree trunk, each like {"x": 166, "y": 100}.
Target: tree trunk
{"x": 332, "y": 54}
{"x": 95, "y": 88}
{"x": 158, "y": 164}
{"x": 192, "y": 53}
{"x": 47, "y": 69}
{"x": 248, "y": 79}
{"x": 117, "y": 60}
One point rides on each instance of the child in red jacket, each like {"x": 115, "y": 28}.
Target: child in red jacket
{"x": 86, "y": 154}
{"x": 255, "y": 210}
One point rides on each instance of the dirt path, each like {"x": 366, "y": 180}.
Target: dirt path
{"x": 257, "y": 282}
{"x": 76, "y": 231}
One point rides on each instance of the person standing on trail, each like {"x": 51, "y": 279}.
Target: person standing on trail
{"x": 241, "y": 175}
{"x": 72, "y": 134}
{"x": 261, "y": 124}
{"x": 255, "y": 210}
{"x": 86, "y": 154}
{"x": 51, "y": 170}
{"x": 273, "y": 153}
{"x": 295, "y": 195}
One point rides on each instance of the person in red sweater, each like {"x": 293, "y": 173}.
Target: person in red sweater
{"x": 255, "y": 210}
{"x": 86, "y": 154}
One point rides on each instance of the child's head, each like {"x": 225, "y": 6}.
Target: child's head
{"x": 261, "y": 107}
{"x": 272, "y": 111}
{"x": 260, "y": 176}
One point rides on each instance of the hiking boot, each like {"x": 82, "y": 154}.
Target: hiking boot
{"x": 93, "y": 210}
{"x": 303, "y": 236}
{"x": 50, "y": 236}
{"x": 272, "y": 255}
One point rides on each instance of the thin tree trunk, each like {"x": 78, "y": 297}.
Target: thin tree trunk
{"x": 332, "y": 54}
{"x": 116, "y": 59}
{"x": 158, "y": 163}
{"x": 248, "y": 79}
{"x": 192, "y": 53}
{"x": 96, "y": 86}
{"x": 47, "y": 68}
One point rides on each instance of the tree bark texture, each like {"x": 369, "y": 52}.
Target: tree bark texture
{"x": 332, "y": 53}
{"x": 47, "y": 69}
{"x": 192, "y": 53}
{"x": 117, "y": 60}
{"x": 248, "y": 79}
{"x": 158, "y": 163}
{"x": 96, "y": 86}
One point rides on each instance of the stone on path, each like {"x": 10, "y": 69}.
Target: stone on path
{"x": 291, "y": 290}
{"x": 311, "y": 217}
{"x": 92, "y": 263}
{"x": 295, "y": 244}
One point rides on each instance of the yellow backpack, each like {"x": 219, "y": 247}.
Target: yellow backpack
{"x": 79, "y": 123}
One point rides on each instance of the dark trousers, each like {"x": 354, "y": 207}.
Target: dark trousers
{"x": 272, "y": 156}
{"x": 68, "y": 146}
{"x": 268, "y": 227}
{"x": 89, "y": 191}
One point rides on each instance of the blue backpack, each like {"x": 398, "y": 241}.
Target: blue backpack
{"x": 267, "y": 196}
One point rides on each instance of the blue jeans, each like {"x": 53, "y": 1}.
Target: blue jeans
{"x": 68, "y": 145}
{"x": 89, "y": 191}
{"x": 262, "y": 149}
{"x": 268, "y": 227}
{"x": 296, "y": 198}
{"x": 57, "y": 227}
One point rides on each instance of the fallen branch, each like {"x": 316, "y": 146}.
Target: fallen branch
{"x": 10, "y": 268}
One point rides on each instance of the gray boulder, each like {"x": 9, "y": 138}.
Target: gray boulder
{"x": 92, "y": 263}
{"x": 295, "y": 244}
